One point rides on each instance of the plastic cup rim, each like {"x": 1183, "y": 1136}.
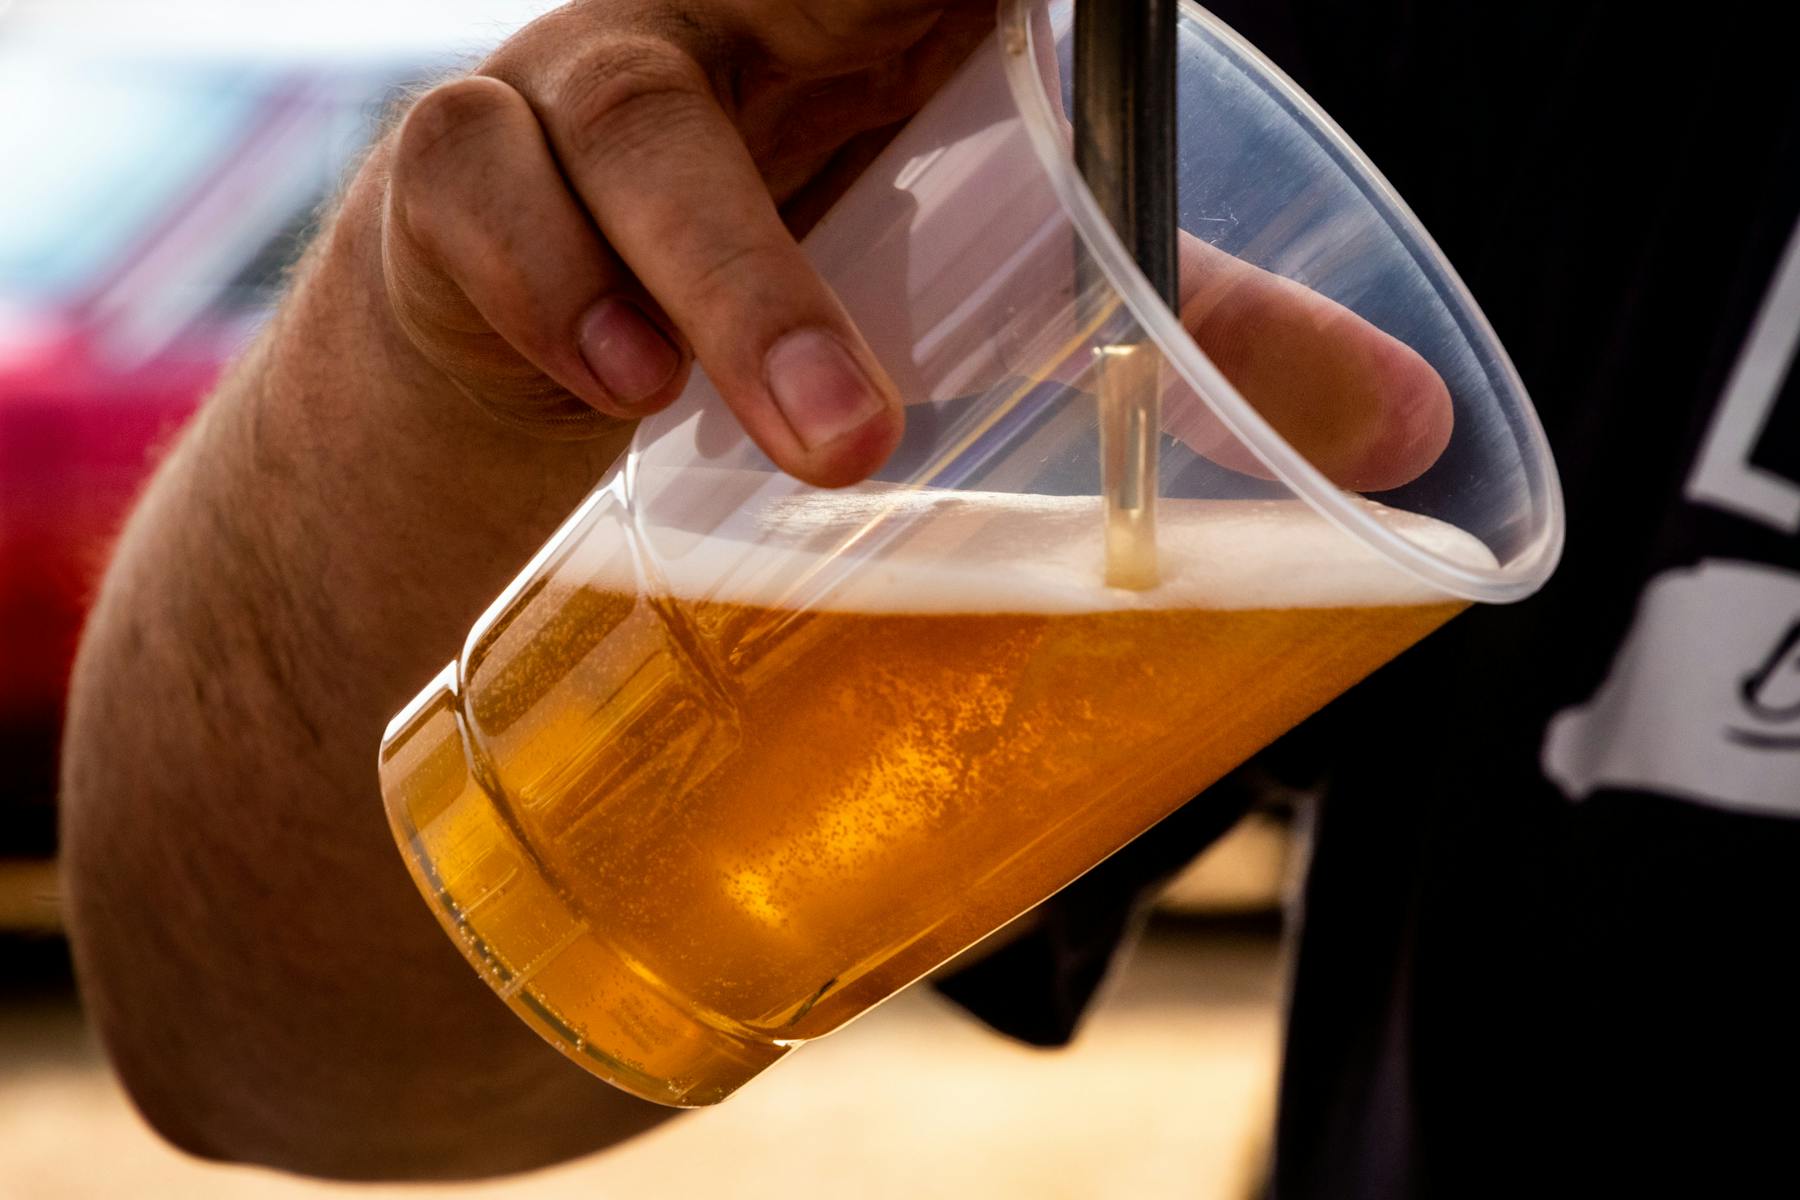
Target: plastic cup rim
{"x": 1525, "y": 574}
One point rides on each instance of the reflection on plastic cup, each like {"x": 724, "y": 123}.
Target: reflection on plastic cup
{"x": 734, "y": 759}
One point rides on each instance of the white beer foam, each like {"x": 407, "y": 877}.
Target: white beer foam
{"x": 941, "y": 551}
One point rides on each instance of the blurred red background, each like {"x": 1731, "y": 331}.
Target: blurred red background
{"x": 167, "y": 171}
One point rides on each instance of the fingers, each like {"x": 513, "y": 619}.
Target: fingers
{"x": 500, "y": 277}
{"x": 1358, "y": 404}
{"x": 666, "y": 176}
{"x": 533, "y": 215}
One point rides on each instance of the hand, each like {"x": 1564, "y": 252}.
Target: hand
{"x": 614, "y": 193}
{"x": 618, "y": 190}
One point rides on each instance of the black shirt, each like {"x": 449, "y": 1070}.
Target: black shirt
{"x": 1553, "y": 900}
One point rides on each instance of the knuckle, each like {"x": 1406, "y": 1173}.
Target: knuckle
{"x": 437, "y": 157}
{"x": 516, "y": 394}
{"x": 738, "y": 277}
{"x": 637, "y": 93}
{"x": 444, "y": 125}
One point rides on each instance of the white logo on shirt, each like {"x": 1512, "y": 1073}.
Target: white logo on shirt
{"x": 1703, "y": 698}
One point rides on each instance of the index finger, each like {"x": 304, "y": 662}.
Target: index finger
{"x": 667, "y": 178}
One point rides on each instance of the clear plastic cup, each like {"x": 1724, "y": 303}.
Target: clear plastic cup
{"x": 734, "y": 759}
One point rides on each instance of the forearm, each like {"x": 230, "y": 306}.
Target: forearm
{"x": 260, "y": 966}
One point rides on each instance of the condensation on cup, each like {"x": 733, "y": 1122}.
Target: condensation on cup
{"x": 734, "y": 759}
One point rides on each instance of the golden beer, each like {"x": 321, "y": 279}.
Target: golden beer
{"x": 683, "y": 828}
